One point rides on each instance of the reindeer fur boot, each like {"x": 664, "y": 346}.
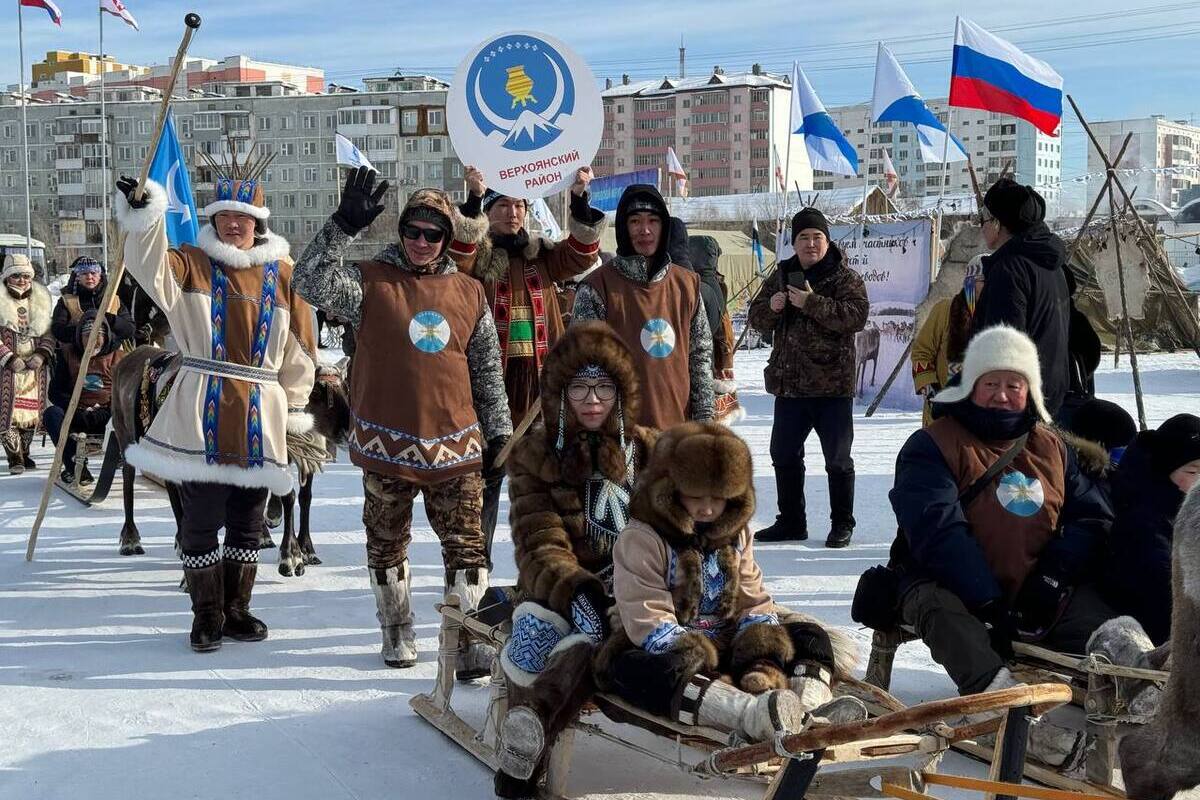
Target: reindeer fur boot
{"x": 393, "y": 608}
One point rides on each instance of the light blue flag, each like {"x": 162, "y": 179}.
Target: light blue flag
{"x": 827, "y": 147}
{"x": 170, "y": 171}
{"x": 896, "y": 100}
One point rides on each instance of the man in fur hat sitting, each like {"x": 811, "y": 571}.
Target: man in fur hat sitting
{"x": 518, "y": 273}
{"x": 1014, "y": 560}
{"x": 426, "y": 396}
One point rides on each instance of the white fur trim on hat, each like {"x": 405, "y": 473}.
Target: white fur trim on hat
{"x": 137, "y": 220}
{"x": 274, "y": 248}
{"x": 217, "y": 206}
{"x": 993, "y": 349}
{"x": 16, "y": 264}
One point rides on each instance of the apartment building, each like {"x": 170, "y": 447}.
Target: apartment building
{"x": 1162, "y": 151}
{"x": 992, "y": 140}
{"x": 399, "y": 122}
{"x": 721, "y": 126}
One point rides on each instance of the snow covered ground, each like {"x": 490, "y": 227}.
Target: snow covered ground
{"x": 101, "y": 698}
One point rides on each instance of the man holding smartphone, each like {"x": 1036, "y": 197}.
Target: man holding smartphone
{"x": 813, "y": 304}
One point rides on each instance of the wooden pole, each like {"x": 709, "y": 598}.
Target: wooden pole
{"x": 1145, "y": 232}
{"x": 530, "y": 417}
{"x": 192, "y": 23}
{"x": 1125, "y": 324}
{"x": 1096, "y": 203}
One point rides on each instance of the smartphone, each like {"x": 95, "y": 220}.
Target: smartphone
{"x": 796, "y": 278}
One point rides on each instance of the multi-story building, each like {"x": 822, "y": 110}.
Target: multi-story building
{"x": 727, "y": 130}
{"x": 401, "y": 130}
{"x": 992, "y": 140}
{"x": 1158, "y": 144}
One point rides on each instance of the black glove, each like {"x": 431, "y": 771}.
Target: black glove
{"x": 1001, "y": 630}
{"x": 1039, "y": 603}
{"x": 589, "y": 612}
{"x": 471, "y": 207}
{"x": 128, "y": 186}
{"x": 491, "y": 471}
{"x": 361, "y": 201}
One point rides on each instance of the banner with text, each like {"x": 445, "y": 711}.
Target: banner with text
{"x": 606, "y": 192}
{"x": 893, "y": 260}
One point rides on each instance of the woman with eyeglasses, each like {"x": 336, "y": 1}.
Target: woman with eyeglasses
{"x": 26, "y": 347}
{"x": 426, "y": 396}
{"x": 570, "y": 479}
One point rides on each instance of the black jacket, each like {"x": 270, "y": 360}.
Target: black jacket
{"x": 704, "y": 253}
{"x": 120, "y": 326}
{"x": 1026, "y": 287}
{"x": 1138, "y": 574}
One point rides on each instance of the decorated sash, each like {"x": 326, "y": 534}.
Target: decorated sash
{"x": 507, "y": 325}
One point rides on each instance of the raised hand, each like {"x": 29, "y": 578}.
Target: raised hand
{"x": 128, "y": 187}
{"x": 475, "y": 182}
{"x": 583, "y": 179}
{"x": 362, "y": 201}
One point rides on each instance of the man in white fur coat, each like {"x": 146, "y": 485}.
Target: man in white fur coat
{"x": 248, "y": 364}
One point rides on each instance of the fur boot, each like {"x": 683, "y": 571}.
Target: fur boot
{"x": 393, "y": 609}
{"x": 1163, "y": 758}
{"x": 240, "y": 573}
{"x": 205, "y": 585}
{"x": 756, "y": 718}
{"x": 1123, "y": 641}
{"x": 474, "y": 657}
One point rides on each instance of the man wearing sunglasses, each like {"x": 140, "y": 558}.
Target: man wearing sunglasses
{"x": 518, "y": 273}
{"x": 426, "y": 395}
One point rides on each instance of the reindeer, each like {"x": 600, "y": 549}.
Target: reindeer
{"x": 142, "y": 378}
{"x": 866, "y": 348}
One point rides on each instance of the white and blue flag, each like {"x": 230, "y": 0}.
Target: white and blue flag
{"x": 827, "y": 147}
{"x": 349, "y": 155}
{"x": 170, "y": 171}
{"x": 897, "y": 100}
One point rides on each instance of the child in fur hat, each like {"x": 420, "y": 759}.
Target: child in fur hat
{"x": 692, "y": 605}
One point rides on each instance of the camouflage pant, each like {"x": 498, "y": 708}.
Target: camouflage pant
{"x": 453, "y": 508}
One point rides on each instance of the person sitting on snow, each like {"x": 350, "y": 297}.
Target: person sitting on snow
{"x": 1156, "y": 472}
{"x": 570, "y": 479}
{"x": 1013, "y": 561}
{"x": 692, "y": 605}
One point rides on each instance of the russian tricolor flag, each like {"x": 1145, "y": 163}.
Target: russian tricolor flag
{"x": 992, "y": 74}
{"x": 51, "y": 9}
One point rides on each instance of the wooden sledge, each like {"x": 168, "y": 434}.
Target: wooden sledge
{"x": 1097, "y": 686}
{"x": 786, "y": 767}
{"x": 88, "y": 447}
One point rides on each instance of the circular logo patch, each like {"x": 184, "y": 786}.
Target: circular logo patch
{"x": 429, "y": 331}
{"x": 1020, "y": 495}
{"x": 658, "y": 338}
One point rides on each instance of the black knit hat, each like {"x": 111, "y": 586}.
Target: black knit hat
{"x": 430, "y": 215}
{"x": 1103, "y": 422}
{"x": 1176, "y": 442}
{"x": 1017, "y": 207}
{"x": 491, "y": 196}
{"x": 809, "y": 218}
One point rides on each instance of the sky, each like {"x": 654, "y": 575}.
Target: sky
{"x": 1118, "y": 60}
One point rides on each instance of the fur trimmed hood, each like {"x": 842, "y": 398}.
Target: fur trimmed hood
{"x": 590, "y": 342}
{"x": 41, "y": 307}
{"x": 491, "y": 263}
{"x": 696, "y": 458}
{"x": 1091, "y": 456}
{"x": 273, "y": 248}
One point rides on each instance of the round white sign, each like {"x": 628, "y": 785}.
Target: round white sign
{"x": 526, "y": 111}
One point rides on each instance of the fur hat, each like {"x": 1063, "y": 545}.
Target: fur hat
{"x": 999, "y": 348}
{"x": 241, "y": 196}
{"x": 1017, "y": 207}
{"x": 16, "y": 264}
{"x": 700, "y": 459}
{"x": 809, "y": 218}
{"x": 589, "y": 342}
{"x": 432, "y": 205}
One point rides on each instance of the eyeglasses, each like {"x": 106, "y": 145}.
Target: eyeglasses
{"x": 604, "y": 391}
{"x": 20, "y": 278}
{"x": 413, "y": 232}
{"x": 984, "y": 219}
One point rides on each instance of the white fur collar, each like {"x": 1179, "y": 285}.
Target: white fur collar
{"x": 41, "y": 305}
{"x": 275, "y": 248}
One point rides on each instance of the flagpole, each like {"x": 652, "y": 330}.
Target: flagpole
{"x": 787, "y": 158}
{"x": 946, "y": 150}
{"x": 867, "y": 172}
{"x": 25, "y": 143}
{"x": 103, "y": 149}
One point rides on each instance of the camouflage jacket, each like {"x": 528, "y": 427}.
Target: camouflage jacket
{"x": 813, "y": 347}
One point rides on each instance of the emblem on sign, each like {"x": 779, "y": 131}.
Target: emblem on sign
{"x": 526, "y": 111}
{"x": 517, "y": 88}
{"x": 658, "y": 338}
{"x": 429, "y": 332}
{"x": 1020, "y": 495}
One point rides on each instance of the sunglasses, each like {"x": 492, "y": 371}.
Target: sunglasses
{"x": 432, "y": 235}
{"x": 604, "y": 391}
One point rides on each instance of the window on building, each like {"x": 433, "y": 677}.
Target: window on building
{"x": 287, "y": 149}
{"x": 310, "y": 148}
{"x": 264, "y": 123}
{"x": 204, "y": 122}
{"x": 412, "y": 173}
{"x": 436, "y": 144}
{"x": 310, "y": 200}
{"x": 330, "y": 148}
{"x": 433, "y": 171}
{"x": 310, "y": 174}
{"x": 408, "y": 120}
{"x": 381, "y": 116}
{"x": 437, "y": 119}
{"x": 309, "y": 122}
{"x": 352, "y": 116}
{"x": 287, "y": 123}
{"x": 265, "y": 148}
{"x": 289, "y": 200}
